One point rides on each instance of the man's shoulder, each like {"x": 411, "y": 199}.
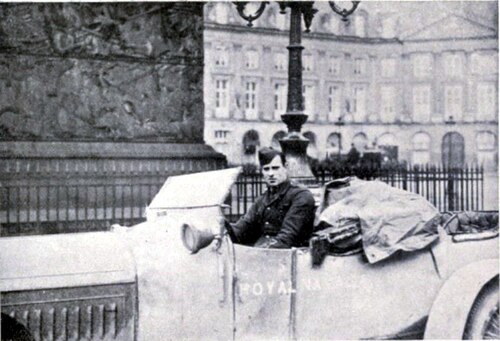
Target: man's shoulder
{"x": 299, "y": 189}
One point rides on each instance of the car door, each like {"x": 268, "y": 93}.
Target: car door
{"x": 263, "y": 293}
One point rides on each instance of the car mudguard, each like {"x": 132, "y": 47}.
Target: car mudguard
{"x": 449, "y": 312}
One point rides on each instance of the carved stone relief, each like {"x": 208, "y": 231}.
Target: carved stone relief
{"x": 129, "y": 71}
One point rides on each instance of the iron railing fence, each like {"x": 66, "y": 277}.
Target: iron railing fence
{"x": 449, "y": 189}
{"x": 35, "y": 206}
{"x": 42, "y": 204}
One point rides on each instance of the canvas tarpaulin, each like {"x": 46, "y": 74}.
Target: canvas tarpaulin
{"x": 391, "y": 219}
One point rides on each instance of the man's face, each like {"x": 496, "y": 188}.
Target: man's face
{"x": 274, "y": 172}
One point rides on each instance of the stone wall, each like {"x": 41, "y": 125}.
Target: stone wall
{"x": 99, "y": 105}
{"x": 101, "y": 72}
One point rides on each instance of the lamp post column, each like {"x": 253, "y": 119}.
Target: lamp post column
{"x": 294, "y": 144}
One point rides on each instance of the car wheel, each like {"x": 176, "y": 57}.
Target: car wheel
{"x": 483, "y": 320}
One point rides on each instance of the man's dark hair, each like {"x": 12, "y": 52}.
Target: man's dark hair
{"x": 267, "y": 154}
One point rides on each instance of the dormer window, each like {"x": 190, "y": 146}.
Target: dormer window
{"x": 332, "y": 25}
{"x": 360, "y": 26}
{"x": 389, "y": 27}
{"x": 221, "y": 13}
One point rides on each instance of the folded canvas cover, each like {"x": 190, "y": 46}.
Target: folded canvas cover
{"x": 391, "y": 219}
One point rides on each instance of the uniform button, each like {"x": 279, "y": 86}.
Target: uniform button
{"x": 269, "y": 208}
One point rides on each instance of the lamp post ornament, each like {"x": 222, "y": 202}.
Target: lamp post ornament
{"x": 294, "y": 144}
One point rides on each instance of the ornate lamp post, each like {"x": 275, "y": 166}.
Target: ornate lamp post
{"x": 294, "y": 144}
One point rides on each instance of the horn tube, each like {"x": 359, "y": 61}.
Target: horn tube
{"x": 194, "y": 239}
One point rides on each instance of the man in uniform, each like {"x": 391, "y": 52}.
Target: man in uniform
{"x": 283, "y": 216}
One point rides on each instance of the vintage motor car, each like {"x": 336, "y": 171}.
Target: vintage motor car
{"x": 177, "y": 276}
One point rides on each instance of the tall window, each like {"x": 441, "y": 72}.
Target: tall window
{"x": 221, "y": 136}
{"x": 484, "y": 63}
{"x": 421, "y": 153}
{"x": 307, "y": 62}
{"x": 221, "y": 98}
{"x": 486, "y": 101}
{"x": 251, "y": 142}
{"x": 388, "y": 67}
{"x": 359, "y": 103}
{"x": 280, "y": 93}
{"x": 312, "y": 150}
{"x": 221, "y": 57}
{"x": 334, "y": 103}
{"x": 275, "y": 141}
{"x": 453, "y": 102}
{"x": 421, "y": 103}
{"x": 333, "y": 144}
{"x": 387, "y": 139}
{"x": 359, "y": 26}
{"x": 453, "y": 65}
{"x": 251, "y": 59}
{"x": 360, "y": 141}
{"x": 359, "y": 66}
{"x": 334, "y": 64}
{"x": 422, "y": 65}
{"x": 388, "y": 99}
{"x": 308, "y": 93}
{"x": 280, "y": 62}
{"x": 486, "y": 150}
{"x": 251, "y": 108}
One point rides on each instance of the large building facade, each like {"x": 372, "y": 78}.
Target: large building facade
{"x": 392, "y": 76}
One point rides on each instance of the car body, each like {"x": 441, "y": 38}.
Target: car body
{"x": 178, "y": 276}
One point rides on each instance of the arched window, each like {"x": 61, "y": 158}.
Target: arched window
{"x": 251, "y": 142}
{"x": 453, "y": 149}
{"x": 387, "y": 139}
{"x": 421, "y": 149}
{"x": 312, "y": 150}
{"x": 388, "y": 146}
{"x": 275, "y": 141}
{"x": 360, "y": 141}
{"x": 333, "y": 144}
{"x": 486, "y": 149}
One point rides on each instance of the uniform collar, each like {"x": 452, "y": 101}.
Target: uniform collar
{"x": 278, "y": 190}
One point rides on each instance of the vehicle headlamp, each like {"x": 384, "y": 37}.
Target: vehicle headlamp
{"x": 195, "y": 239}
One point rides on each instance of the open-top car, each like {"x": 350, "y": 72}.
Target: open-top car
{"x": 179, "y": 276}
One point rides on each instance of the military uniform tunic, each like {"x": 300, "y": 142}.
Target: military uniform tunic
{"x": 284, "y": 213}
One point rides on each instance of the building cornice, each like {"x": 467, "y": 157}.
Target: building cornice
{"x": 312, "y": 35}
{"x": 492, "y": 37}
{"x": 329, "y": 36}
